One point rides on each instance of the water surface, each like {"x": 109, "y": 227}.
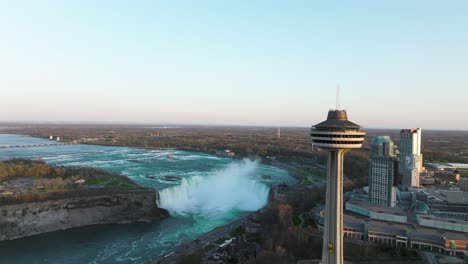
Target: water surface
{"x": 201, "y": 191}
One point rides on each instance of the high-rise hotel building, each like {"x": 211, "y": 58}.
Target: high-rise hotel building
{"x": 382, "y": 167}
{"x": 411, "y": 159}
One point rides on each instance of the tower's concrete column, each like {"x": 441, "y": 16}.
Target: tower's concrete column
{"x": 332, "y": 252}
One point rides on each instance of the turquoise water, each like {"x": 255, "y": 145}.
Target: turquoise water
{"x": 202, "y": 193}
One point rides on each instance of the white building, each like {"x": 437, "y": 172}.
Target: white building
{"x": 411, "y": 159}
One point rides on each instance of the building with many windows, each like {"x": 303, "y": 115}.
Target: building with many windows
{"x": 394, "y": 234}
{"x": 411, "y": 159}
{"x": 382, "y": 168}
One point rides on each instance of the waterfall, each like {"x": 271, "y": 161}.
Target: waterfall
{"x": 223, "y": 190}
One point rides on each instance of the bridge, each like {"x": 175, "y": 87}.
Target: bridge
{"x": 34, "y": 145}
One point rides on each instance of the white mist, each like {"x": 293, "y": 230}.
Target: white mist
{"x": 228, "y": 189}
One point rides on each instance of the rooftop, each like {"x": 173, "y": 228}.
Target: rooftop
{"x": 352, "y": 220}
{"x": 381, "y": 139}
{"x": 443, "y": 166}
{"x": 337, "y": 119}
{"x": 444, "y": 196}
{"x": 366, "y": 204}
{"x": 441, "y": 219}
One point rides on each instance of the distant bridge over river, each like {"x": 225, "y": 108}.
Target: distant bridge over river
{"x": 34, "y": 145}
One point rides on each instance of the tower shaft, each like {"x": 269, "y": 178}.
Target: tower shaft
{"x": 335, "y": 135}
{"x": 332, "y": 252}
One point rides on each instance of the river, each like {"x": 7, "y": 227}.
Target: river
{"x": 202, "y": 192}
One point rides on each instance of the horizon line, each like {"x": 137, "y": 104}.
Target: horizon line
{"x": 190, "y": 124}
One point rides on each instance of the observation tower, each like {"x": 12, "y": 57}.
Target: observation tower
{"x": 336, "y": 135}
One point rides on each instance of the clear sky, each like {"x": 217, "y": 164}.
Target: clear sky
{"x": 399, "y": 63}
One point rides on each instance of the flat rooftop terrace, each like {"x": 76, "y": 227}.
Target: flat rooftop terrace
{"x": 444, "y": 196}
{"x": 452, "y": 166}
{"x": 366, "y": 204}
{"x": 445, "y": 220}
{"x": 353, "y": 220}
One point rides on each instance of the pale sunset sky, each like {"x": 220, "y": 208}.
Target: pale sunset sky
{"x": 399, "y": 64}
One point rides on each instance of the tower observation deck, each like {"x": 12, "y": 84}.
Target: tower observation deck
{"x": 336, "y": 135}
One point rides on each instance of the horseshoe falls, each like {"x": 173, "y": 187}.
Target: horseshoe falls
{"x": 224, "y": 190}
{"x": 200, "y": 191}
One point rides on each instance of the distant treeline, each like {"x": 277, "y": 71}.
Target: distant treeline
{"x": 57, "y": 182}
{"x": 28, "y": 168}
{"x": 438, "y": 146}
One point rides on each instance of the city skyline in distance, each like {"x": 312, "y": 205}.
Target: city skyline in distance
{"x": 398, "y": 64}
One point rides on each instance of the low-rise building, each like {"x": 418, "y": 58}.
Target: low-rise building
{"x": 447, "y": 175}
{"x": 362, "y": 206}
{"x": 463, "y": 184}
{"x": 401, "y": 234}
{"x": 426, "y": 180}
{"x": 442, "y": 223}
{"x": 443, "y": 200}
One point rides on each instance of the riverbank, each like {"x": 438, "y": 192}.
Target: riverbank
{"x": 217, "y": 182}
{"x": 119, "y": 207}
{"x": 37, "y": 198}
{"x": 201, "y": 242}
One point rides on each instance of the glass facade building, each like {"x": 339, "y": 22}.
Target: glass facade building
{"x": 381, "y": 172}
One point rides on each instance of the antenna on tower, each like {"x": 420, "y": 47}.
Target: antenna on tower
{"x": 338, "y": 98}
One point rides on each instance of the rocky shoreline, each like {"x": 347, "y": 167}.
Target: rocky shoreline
{"x": 119, "y": 207}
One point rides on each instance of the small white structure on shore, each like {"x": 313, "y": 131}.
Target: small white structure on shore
{"x": 80, "y": 181}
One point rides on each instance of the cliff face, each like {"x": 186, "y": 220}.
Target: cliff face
{"x": 121, "y": 207}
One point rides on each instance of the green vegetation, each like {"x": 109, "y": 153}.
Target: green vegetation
{"x": 219, "y": 241}
{"x": 34, "y": 181}
{"x": 309, "y": 222}
{"x": 17, "y": 168}
{"x": 209, "y": 247}
{"x": 28, "y": 168}
{"x": 195, "y": 258}
{"x": 295, "y": 219}
{"x": 237, "y": 231}
{"x": 306, "y": 181}
{"x": 317, "y": 172}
